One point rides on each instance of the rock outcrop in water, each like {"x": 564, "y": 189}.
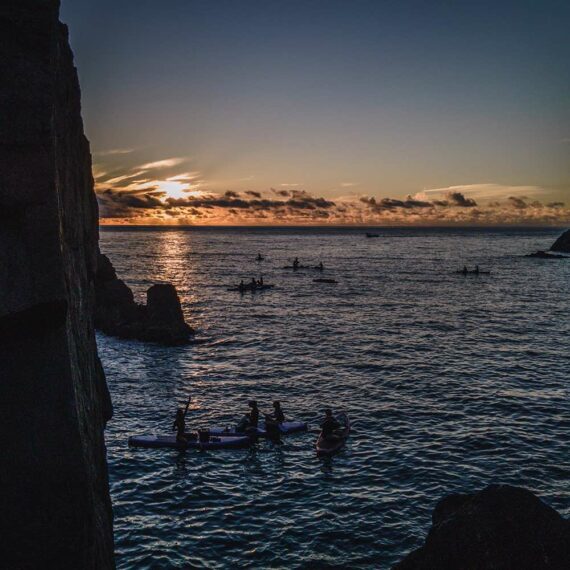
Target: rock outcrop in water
{"x": 54, "y": 496}
{"x": 117, "y": 314}
{"x": 562, "y": 243}
{"x": 546, "y": 255}
{"x": 501, "y": 527}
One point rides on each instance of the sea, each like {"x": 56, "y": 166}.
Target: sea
{"x": 451, "y": 383}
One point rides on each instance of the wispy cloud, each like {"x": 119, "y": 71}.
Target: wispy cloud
{"x": 485, "y": 191}
{"x": 114, "y": 151}
{"x": 165, "y": 163}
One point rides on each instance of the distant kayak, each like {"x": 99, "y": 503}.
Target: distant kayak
{"x": 325, "y": 280}
{"x": 250, "y": 289}
{"x": 473, "y": 272}
{"x": 372, "y": 235}
{"x": 335, "y": 442}
{"x": 169, "y": 441}
{"x": 285, "y": 428}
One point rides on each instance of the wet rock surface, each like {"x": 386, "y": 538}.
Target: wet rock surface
{"x": 498, "y": 528}
{"x": 118, "y": 314}
{"x": 54, "y": 496}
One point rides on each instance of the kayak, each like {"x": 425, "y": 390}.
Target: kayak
{"x": 250, "y": 289}
{"x": 335, "y": 442}
{"x": 315, "y": 267}
{"x": 473, "y": 272}
{"x": 169, "y": 441}
{"x": 372, "y": 235}
{"x": 325, "y": 280}
{"x": 286, "y": 428}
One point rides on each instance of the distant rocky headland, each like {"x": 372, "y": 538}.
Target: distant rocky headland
{"x": 117, "y": 314}
{"x": 500, "y": 527}
{"x": 562, "y": 244}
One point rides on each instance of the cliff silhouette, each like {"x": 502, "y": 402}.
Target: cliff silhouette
{"x": 56, "y": 509}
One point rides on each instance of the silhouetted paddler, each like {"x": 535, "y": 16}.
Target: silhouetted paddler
{"x": 329, "y": 424}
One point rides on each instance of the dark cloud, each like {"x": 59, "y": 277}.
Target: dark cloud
{"x": 459, "y": 200}
{"x": 519, "y": 203}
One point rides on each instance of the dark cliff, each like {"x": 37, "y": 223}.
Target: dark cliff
{"x": 500, "y": 527}
{"x": 56, "y": 510}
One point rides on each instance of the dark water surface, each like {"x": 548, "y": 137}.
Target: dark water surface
{"x": 452, "y": 383}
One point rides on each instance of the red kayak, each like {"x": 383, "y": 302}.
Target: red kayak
{"x": 335, "y": 442}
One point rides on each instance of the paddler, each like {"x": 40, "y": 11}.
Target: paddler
{"x": 253, "y": 414}
{"x": 329, "y": 424}
{"x": 296, "y": 263}
{"x": 180, "y": 426}
{"x": 278, "y": 415}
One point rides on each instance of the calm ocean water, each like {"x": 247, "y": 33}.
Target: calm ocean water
{"x": 451, "y": 382}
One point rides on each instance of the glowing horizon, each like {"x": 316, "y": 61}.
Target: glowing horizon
{"x": 375, "y": 113}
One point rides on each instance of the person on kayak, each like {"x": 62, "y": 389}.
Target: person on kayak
{"x": 329, "y": 424}
{"x": 253, "y": 414}
{"x": 180, "y": 426}
{"x": 259, "y": 257}
{"x": 477, "y": 270}
{"x": 277, "y": 416}
{"x": 296, "y": 263}
{"x": 465, "y": 269}
{"x": 260, "y": 282}
{"x": 241, "y": 285}
{"x": 321, "y": 266}
{"x": 253, "y": 283}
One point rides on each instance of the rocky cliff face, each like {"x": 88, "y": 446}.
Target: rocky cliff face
{"x": 501, "y": 527}
{"x": 56, "y": 511}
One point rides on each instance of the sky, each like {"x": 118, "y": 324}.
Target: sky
{"x": 326, "y": 111}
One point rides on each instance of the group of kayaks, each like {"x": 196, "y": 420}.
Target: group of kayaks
{"x": 217, "y": 438}
{"x": 255, "y": 286}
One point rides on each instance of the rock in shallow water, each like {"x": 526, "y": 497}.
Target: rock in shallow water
{"x": 117, "y": 313}
{"x": 499, "y": 528}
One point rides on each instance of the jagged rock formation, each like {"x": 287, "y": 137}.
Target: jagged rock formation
{"x": 54, "y": 496}
{"x": 562, "y": 243}
{"x": 117, "y": 314}
{"x": 501, "y": 528}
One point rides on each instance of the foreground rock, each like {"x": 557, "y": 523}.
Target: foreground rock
{"x": 562, "y": 243}
{"x": 117, "y": 314}
{"x": 500, "y": 528}
{"x": 54, "y": 496}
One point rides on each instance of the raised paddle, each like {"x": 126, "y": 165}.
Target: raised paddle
{"x": 187, "y": 405}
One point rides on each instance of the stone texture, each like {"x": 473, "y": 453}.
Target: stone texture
{"x": 56, "y": 510}
{"x": 562, "y": 243}
{"x": 117, "y": 314}
{"x": 499, "y": 528}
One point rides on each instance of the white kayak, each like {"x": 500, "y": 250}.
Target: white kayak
{"x": 285, "y": 428}
{"x": 194, "y": 442}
